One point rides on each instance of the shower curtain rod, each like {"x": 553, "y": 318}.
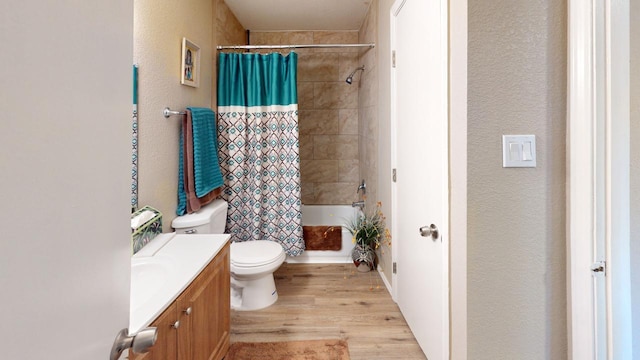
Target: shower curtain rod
{"x": 308, "y": 46}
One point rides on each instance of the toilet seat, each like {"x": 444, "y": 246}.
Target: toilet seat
{"x": 256, "y": 253}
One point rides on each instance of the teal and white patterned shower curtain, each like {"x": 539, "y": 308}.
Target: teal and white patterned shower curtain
{"x": 258, "y": 137}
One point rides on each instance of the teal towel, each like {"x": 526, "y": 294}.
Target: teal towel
{"x": 182, "y": 193}
{"x": 206, "y": 167}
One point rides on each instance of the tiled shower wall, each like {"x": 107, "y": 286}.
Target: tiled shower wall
{"x": 328, "y": 113}
{"x": 368, "y": 108}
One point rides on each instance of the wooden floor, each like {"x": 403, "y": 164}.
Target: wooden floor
{"x": 331, "y": 301}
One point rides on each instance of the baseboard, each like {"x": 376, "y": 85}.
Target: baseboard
{"x": 384, "y": 280}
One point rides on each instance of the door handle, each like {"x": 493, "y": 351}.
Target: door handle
{"x": 430, "y": 230}
{"x": 139, "y": 343}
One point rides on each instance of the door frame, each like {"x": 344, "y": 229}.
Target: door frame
{"x": 456, "y": 20}
{"x": 581, "y": 180}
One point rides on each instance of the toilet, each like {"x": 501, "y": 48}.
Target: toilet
{"x": 252, "y": 262}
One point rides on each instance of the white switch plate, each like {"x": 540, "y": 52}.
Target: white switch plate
{"x": 518, "y": 151}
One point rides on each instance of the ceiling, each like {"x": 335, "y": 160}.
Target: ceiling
{"x": 278, "y": 15}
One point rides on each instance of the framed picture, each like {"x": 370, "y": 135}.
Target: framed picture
{"x": 190, "y": 68}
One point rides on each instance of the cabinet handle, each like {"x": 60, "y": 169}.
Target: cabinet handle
{"x": 187, "y": 311}
{"x": 176, "y": 324}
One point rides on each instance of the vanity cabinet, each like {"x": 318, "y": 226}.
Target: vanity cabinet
{"x": 196, "y": 325}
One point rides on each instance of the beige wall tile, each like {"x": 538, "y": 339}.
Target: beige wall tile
{"x": 229, "y": 30}
{"x": 349, "y": 61}
{"x": 335, "y": 95}
{"x": 335, "y": 193}
{"x": 307, "y": 193}
{"x": 319, "y": 171}
{"x": 368, "y": 59}
{"x": 348, "y": 170}
{"x": 335, "y": 37}
{"x": 318, "y": 122}
{"x": 370, "y": 122}
{"x": 306, "y": 147}
{"x": 348, "y": 122}
{"x": 257, "y": 38}
{"x": 273, "y": 38}
{"x": 298, "y": 37}
{"x": 368, "y": 30}
{"x": 368, "y": 91}
{"x": 318, "y": 66}
{"x": 305, "y": 96}
{"x": 344, "y": 147}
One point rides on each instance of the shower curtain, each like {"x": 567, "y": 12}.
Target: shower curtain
{"x": 258, "y": 137}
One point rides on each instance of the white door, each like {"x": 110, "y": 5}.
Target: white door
{"x": 420, "y": 114}
{"x": 65, "y": 144}
{"x": 598, "y": 138}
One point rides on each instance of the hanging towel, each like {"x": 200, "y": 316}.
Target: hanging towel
{"x": 199, "y": 176}
{"x": 206, "y": 168}
{"x": 194, "y": 203}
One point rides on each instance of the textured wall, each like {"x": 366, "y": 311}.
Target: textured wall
{"x": 369, "y": 124}
{"x": 516, "y": 243}
{"x": 158, "y": 31}
{"x": 383, "y": 181}
{"x": 368, "y": 106}
{"x": 635, "y": 175}
{"x": 328, "y": 113}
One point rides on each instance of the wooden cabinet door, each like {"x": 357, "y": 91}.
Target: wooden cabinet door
{"x": 204, "y": 310}
{"x": 166, "y": 346}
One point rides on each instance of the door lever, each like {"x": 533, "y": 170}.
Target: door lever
{"x": 139, "y": 343}
{"x": 430, "y": 230}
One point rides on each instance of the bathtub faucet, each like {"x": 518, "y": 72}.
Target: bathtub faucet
{"x": 359, "y": 204}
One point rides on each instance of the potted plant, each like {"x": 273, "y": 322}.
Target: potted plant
{"x": 368, "y": 231}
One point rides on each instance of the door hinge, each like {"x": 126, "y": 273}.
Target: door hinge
{"x": 393, "y": 175}
{"x": 395, "y": 268}
{"x": 393, "y": 58}
{"x": 599, "y": 267}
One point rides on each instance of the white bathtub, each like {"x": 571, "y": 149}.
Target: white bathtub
{"x": 327, "y": 215}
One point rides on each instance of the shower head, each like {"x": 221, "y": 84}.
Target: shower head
{"x": 349, "y": 79}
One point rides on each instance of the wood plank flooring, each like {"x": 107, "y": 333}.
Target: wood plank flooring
{"x": 331, "y": 301}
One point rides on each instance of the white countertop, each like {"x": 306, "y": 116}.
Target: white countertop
{"x": 170, "y": 263}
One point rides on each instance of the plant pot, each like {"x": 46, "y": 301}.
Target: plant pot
{"x": 364, "y": 258}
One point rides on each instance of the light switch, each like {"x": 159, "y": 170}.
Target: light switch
{"x": 514, "y": 151}
{"x": 526, "y": 151}
{"x": 518, "y": 151}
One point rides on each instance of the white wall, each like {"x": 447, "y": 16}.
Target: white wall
{"x": 516, "y": 238}
{"x": 65, "y": 95}
{"x": 635, "y": 175}
{"x": 384, "y": 123}
{"x": 159, "y": 27}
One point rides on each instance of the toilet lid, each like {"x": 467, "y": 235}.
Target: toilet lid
{"x": 254, "y": 253}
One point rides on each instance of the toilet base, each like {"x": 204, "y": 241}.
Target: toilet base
{"x": 254, "y": 293}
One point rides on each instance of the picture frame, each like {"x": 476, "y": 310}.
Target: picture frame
{"x": 190, "y": 64}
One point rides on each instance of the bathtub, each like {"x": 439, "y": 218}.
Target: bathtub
{"x": 327, "y": 215}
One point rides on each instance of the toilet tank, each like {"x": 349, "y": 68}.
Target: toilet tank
{"x": 210, "y": 219}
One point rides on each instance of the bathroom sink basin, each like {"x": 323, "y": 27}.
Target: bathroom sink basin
{"x": 148, "y": 277}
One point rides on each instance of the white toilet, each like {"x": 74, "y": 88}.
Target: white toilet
{"x": 252, "y": 262}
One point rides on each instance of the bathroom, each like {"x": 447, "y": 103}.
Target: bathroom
{"x": 338, "y": 127}
{"x": 337, "y": 120}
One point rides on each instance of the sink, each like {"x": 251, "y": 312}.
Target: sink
{"x": 148, "y": 277}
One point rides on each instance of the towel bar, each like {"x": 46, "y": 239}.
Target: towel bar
{"x": 168, "y": 112}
